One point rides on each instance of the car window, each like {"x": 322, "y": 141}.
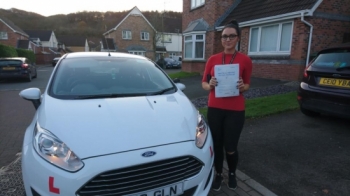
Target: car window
{"x": 335, "y": 60}
{"x": 10, "y": 62}
{"x": 98, "y": 76}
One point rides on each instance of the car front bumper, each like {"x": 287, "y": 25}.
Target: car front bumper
{"x": 43, "y": 178}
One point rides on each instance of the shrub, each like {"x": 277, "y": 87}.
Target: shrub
{"x": 26, "y": 53}
{"x": 7, "y": 51}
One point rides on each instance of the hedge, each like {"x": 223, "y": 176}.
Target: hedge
{"x": 26, "y": 53}
{"x": 7, "y": 51}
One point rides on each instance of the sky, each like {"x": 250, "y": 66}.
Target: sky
{"x": 49, "y": 8}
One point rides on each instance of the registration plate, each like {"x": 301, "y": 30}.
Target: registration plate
{"x": 8, "y": 68}
{"x": 173, "y": 190}
{"x": 335, "y": 82}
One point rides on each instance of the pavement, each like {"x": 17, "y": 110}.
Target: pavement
{"x": 10, "y": 175}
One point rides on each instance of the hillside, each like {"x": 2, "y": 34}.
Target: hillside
{"x": 88, "y": 24}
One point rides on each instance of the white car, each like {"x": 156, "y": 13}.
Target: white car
{"x": 114, "y": 124}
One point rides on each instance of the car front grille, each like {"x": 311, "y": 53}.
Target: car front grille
{"x": 143, "y": 177}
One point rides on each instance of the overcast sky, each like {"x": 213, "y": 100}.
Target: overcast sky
{"x": 49, "y": 7}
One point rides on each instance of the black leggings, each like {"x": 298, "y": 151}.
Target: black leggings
{"x": 226, "y": 127}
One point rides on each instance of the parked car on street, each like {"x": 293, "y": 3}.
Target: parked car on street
{"x": 115, "y": 124}
{"x": 55, "y": 60}
{"x": 17, "y": 67}
{"x": 325, "y": 87}
{"x": 172, "y": 63}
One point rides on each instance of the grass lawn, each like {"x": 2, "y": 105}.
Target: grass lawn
{"x": 264, "y": 106}
{"x": 182, "y": 74}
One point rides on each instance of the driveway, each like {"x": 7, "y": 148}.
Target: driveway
{"x": 292, "y": 154}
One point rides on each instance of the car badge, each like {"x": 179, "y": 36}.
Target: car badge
{"x": 149, "y": 154}
{"x": 336, "y": 75}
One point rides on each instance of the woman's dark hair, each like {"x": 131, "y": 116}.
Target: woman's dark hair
{"x": 233, "y": 24}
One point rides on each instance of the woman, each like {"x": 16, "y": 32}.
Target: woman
{"x": 226, "y": 114}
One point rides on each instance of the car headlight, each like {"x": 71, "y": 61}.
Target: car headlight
{"x": 53, "y": 150}
{"x": 201, "y": 132}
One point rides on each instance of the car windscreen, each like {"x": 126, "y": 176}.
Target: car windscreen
{"x": 332, "y": 60}
{"x": 10, "y": 63}
{"x": 92, "y": 77}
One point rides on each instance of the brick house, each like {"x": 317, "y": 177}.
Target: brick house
{"x": 280, "y": 36}
{"x": 152, "y": 37}
{"x": 10, "y": 34}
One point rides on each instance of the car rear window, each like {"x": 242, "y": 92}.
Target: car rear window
{"x": 332, "y": 60}
{"x": 10, "y": 62}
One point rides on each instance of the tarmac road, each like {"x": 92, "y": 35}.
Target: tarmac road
{"x": 288, "y": 153}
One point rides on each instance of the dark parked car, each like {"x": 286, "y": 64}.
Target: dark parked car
{"x": 17, "y": 67}
{"x": 55, "y": 60}
{"x": 325, "y": 87}
{"x": 167, "y": 63}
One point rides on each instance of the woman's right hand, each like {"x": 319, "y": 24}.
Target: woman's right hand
{"x": 213, "y": 82}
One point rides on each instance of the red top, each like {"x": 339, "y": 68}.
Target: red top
{"x": 235, "y": 103}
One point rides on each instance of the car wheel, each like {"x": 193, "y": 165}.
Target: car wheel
{"x": 36, "y": 74}
{"x": 309, "y": 112}
{"x": 29, "y": 79}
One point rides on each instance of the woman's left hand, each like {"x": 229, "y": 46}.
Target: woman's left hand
{"x": 240, "y": 85}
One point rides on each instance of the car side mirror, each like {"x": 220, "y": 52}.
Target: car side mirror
{"x": 176, "y": 80}
{"x": 33, "y": 95}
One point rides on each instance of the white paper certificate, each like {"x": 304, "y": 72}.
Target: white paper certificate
{"x": 227, "y": 77}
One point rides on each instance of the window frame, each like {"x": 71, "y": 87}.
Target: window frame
{"x": 143, "y": 35}
{"x": 125, "y": 34}
{"x": 136, "y": 52}
{"x": 278, "y": 43}
{"x": 4, "y": 35}
{"x": 197, "y": 3}
{"x": 193, "y": 41}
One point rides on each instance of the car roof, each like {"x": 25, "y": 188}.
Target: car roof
{"x": 345, "y": 46}
{"x": 103, "y": 54}
{"x": 13, "y": 58}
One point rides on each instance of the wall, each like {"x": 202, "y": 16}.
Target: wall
{"x": 213, "y": 9}
{"x": 12, "y": 36}
{"x": 136, "y": 24}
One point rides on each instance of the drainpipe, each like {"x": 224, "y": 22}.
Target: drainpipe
{"x": 310, "y": 37}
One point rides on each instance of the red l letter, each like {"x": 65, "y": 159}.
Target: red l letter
{"x": 51, "y": 187}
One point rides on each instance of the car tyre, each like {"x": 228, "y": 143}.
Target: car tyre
{"x": 309, "y": 112}
{"x": 29, "y": 79}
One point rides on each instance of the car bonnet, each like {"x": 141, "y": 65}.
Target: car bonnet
{"x": 97, "y": 127}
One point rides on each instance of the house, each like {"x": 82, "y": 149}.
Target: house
{"x": 44, "y": 38}
{"x": 45, "y": 45}
{"x": 73, "y": 43}
{"x": 169, "y": 38}
{"x": 136, "y": 34}
{"x": 280, "y": 36}
{"x": 10, "y": 34}
{"x": 133, "y": 34}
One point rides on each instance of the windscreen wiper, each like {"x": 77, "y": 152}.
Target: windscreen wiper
{"x": 343, "y": 68}
{"x": 111, "y": 95}
{"x": 163, "y": 91}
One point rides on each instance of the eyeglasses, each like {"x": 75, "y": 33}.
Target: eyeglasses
{"x": 230, "y": 37}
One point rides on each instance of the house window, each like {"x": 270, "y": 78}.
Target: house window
{"x": 3, "y": 35}
{"x": 194, "y": 46}
{"x": 144, "y": 36}
{"x": 126, "y": 34}
{"x": 271, "y": 39}
{"x": 196, "y": 3}
{"x": 141, "y": 53}
{"x": 166, "y": 38}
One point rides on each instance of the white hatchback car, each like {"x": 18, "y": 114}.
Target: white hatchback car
{"x": 114, "y": 124}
